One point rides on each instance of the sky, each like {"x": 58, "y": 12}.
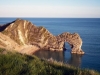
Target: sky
{"x": 50, "y": 8}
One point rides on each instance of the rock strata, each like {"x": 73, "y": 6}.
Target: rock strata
{"x": 23, "y": 36}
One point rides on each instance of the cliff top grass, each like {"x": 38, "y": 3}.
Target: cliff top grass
{"x": 22, "y": 64}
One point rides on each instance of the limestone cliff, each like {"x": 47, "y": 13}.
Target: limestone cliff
{"x": 25, "y": 37}
{"x": 74, "y": 41}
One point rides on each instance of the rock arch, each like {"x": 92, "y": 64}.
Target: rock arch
{"x": 73, "y": 40}
{"x": 24, "y": 33}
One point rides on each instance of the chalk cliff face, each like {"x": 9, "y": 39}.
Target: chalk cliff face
{"x": 25, "y": 37}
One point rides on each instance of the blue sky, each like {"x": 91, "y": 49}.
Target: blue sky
{"x": 50, "y": 8}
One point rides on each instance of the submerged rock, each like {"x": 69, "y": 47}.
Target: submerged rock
{"x": 25, "y": 37}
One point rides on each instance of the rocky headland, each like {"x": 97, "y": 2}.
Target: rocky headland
{"x": 24, "y": 37}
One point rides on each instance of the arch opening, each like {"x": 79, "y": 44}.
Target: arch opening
{"x": 67, "y": 46}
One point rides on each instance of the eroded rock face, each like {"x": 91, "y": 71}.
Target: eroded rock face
{"x": 73, "y": 40}
{"x": 29, "y": 38}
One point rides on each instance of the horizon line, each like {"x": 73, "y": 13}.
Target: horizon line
{"x": 49, "y": 17}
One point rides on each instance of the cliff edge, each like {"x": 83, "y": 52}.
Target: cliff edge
{"x": 24, "y": 37}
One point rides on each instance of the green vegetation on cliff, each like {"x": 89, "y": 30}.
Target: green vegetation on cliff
{"x": 21, "y": 64}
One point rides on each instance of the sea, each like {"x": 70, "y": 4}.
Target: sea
{"x": 87, "y": 28}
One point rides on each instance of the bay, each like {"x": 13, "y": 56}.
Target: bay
{"x": 87, "y": 28}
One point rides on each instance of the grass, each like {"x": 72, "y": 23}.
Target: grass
{"x": 21, "y": 64}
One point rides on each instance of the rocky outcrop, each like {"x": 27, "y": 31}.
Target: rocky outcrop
{"x": 25, "y": 37}
{"x": 73, "y": 40}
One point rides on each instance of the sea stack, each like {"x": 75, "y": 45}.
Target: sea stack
{"x": 24, "y": 37}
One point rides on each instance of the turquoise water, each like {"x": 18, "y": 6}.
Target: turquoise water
{"x": 88, "y": 29}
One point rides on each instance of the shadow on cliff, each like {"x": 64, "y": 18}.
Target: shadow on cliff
{"x": 55, "y": 55}
{"x": 66, "y": 57}
{"x": 3, "y": 27}
{"x": 75, "y": 60}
